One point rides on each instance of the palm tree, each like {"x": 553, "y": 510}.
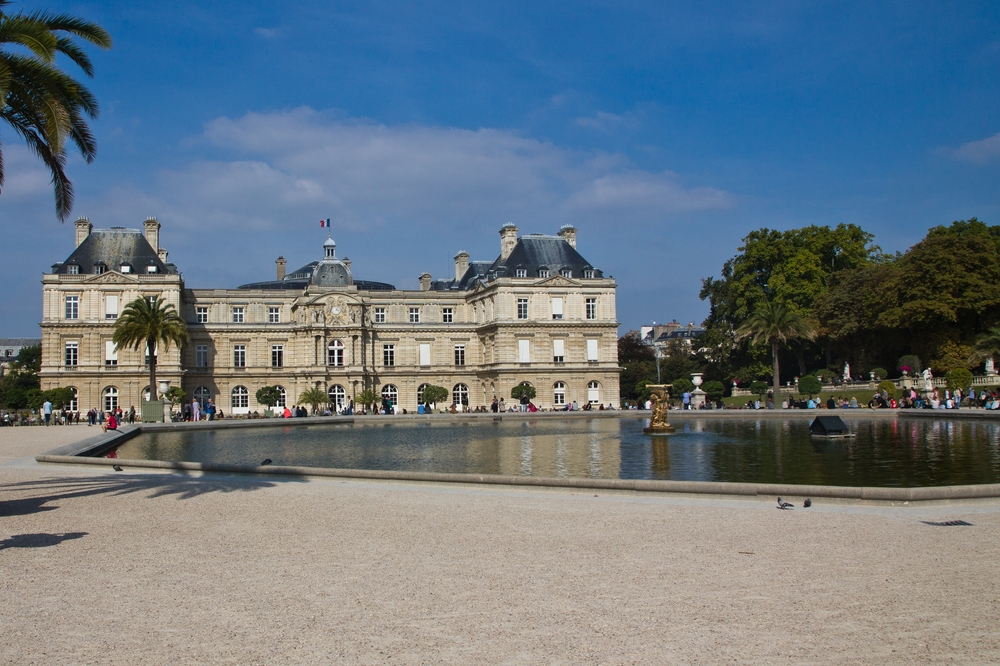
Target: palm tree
{"x": 366, "y": 398}
{"x": 987, "y": 346}
{"x": 43, "y": 105}
{"x": 775, "y": 324}
{"x": 315, "y": 397}
{"x": 145, "y": 322}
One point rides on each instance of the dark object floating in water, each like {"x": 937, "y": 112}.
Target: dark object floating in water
{"x": 117, "y": 468}
{"x": 785, "y": 505}
{"x": 267, "y": 461}
{"x": 948, "y": 523}
{"x": 808, "y": 503}
{"x": 829, "y": 426}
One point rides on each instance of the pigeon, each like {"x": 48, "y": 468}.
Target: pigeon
{"x": 808, "y": 503}
{"x": 785, "y": 505}
{"x": 117, "y": 468}
{"x": 267, "y": 461}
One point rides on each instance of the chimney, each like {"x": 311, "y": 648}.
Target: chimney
{"x": 461, "y": 264}
{"x": 425, "y": 282}
{"x": 568, "y": 234}
{"x": 83, "y": 227}
{"x": 162, "y": 254}
{"x": 280, "y": 261}
{"x": 151, "y": 230}
{"x": 508, "y": 239}
{"x": 347, "y": 262}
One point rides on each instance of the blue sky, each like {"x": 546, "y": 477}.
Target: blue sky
{"x": 664, "y": 131}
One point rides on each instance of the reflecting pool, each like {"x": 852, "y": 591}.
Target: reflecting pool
{"x": 905, "y": 452}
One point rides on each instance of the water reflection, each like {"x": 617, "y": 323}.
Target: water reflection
{"x": 905, "y": 452}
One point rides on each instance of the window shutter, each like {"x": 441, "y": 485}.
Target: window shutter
{"x": 110, "y": 351}
{"x": 111, "y": 306}
{"x": 558, "y": 347}
{"x": 425, "y": 353}
{"x": 557, "y": 307}
{"x": 524, "y": 351}
{"x": 591, "y": 350}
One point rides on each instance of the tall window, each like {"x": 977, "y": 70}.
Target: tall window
{"x": 335, "y": 353}
{"x": 414, "y": 315}
{"x": 238, "y": 315}
{"x": 558, "y": 351}
{"x": 522, "y": 308}
{"x": 239, "y": 356}
{"x": 240, "y": 398}
{"x": 390, "y": 392}
{"x": 524, "y": 351}
{"x": 557, "y": 308}
{"x": 379, "y": 315}
{"x": 460, "y": 394}
{"x": 72, "y": 307}
{"x": 74, "y": 404}
{"x": 201, "y": 356}
{"x": 447, "y": 315}
{"x": 282, "y": 396}
{"x": 202, "y": 394}
{"x": 111, "y": 306}
{"x": 559, "y": 394}
{"x": 338, "y": 396}
{"x": 420, "y": 393}
{"x": 592, "y": 350}
{"x": 201, "y": 315}
{"x": 110, "y": 353}
{"x": 388, "y": 355}
{"x": 591, "y": 308}
{"x": 593, "y": 392}
{"x": 72, "y": 353}
{"x": 110, "y": 399}
{"x": 459, "y": 354}
{"x": 277, "y": 356}
{"x": 273, "y": 315}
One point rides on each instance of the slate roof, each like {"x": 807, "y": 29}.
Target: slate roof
{"x": 114, "y": 247}
{"x": 533, "y": 252}
{"x": 301, "y": 278}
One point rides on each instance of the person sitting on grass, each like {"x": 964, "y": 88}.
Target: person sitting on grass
{"x": 112, "y": 423}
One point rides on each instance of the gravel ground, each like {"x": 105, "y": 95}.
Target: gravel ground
{"x": 133, "y": 568}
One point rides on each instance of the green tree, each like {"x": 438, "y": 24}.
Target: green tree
{"x": 176, "y": 395}
{"x": 810, "y": 385}
{"x": 638, "y": 363}
{"x": 432, "y": 395}
{"x": 46, "y": 107}
{"x": 888, "y": 387}
{"x": 680, "y": 385}
{"x": 315, "y": 397}
{"x": 523, "y": 389}
{"x": 959, "y": 378}
{"x": 21, "y": 378}
{"x": 714, "y": 389}
{"x": 910, "y": 363}
{"x": 758, "y": 388}
{"x": 146, "y": 323}
{"x": 987, "y": 346}
{"x": 268, "y": 396}
{"x": 880, "y": 373}
{"x": 366, "y": 398}
{"x": 775, "y": 324}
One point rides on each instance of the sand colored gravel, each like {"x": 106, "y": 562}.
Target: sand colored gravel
{"x": 130, "y": 568}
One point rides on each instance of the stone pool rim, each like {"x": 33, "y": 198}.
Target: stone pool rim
{"x": 85, "y": 451}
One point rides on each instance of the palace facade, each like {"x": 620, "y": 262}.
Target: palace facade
{"x": 538, "y": 313}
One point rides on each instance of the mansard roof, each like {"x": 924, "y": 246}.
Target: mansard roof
{"x": 477, "y": 271}
{"x": 112, "y": 248}
{"x": 302, "y": 277}
{"x": 540, "y": 251}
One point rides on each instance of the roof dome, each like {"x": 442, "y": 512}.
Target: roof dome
{"x": 331, "y": 272}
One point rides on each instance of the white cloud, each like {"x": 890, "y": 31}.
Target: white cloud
{"x": 24, "y": 175}
{"x": 978, "y": 152}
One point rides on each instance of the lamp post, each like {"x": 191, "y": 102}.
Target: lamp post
{"x": 657, "y": 347}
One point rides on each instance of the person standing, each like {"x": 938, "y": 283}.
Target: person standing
{"x": 195, "y": 410}
{"x": 131, "y": 414}
{"x": 686, "y": 399}
{"x": 47, "y": 411}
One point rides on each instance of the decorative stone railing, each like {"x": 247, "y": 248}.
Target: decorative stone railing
{"x": 870, "y": 385}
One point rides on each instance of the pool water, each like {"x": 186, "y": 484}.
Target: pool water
{"x": 901, "y": 453}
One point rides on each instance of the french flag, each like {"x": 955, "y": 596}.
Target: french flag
{"x": 324, "y": 223}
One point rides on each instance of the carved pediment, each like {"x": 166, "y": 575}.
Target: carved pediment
{"x": 557, "y": 281}
{"x": 112, "y": 277}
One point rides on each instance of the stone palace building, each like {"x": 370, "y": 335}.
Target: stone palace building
{"x": 538, "y": 313}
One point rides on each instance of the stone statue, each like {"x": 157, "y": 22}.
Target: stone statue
{"x": 990, "y": 368}
{"x": 847, "y": 372}
{"x": 661, "y": 406}
{"x": 928, "y": 384}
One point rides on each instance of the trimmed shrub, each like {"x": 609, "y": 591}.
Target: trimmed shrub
{"x": 678, "y": 386}
{"x": 959, "y": 378}
{"x": 759, "y": 388}
{"x": 880, "y": 373}
{"x": 714, "y": 389}
{"x": 810, "y": 385}
{"x": 910, "y": 363}
{"x": 888, "y": 387}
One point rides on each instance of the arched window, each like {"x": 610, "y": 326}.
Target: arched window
{"x": 202, "y": 395}
{"x": 335, "y": 353}
{"x": 460, "y": 394}
{"x": 420, "y": 393}
{"x": 281, "y": 396}
{"x": 240, "y": 398}
{"x": 390, "y": 392}
{"x": 74, "y": 404}
{"x": 559, "y": 394}
{"x": 338, "y": 396}
{"x": 110, "y": 399}
{"x": 594, "y": 392}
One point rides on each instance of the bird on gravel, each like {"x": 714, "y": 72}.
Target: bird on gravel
{"x": 785, "y": 505}
{"x": 267, "y": 461}
{"x": 808, "y": 503}
{"x": 117, "y": 468}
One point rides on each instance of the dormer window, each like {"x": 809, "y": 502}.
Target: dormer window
{"x": 100, "y": 269}
{"x": 566, "y": 273}
{"x": 73, "y": 269}
{"x": 543, "y": 272}
{"x": 126, "y": 268}
{"x": 151, "y": 268}
{"x": 588, "y": 274}
{"x": 520, "y": 272}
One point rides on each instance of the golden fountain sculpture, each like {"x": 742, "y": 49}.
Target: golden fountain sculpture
{"x": 661, "y": 406}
